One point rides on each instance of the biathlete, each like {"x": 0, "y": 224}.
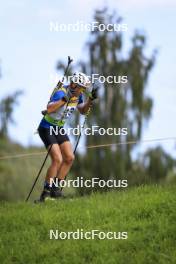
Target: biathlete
{"x": 62, "y": 104}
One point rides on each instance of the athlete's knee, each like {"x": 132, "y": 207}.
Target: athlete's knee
{"x": 56, "y": 160}
{"x": 69, "y": 158}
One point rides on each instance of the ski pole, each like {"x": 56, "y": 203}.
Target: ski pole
{"x": 78, "y": 139}
{"x": 85, "y": 120}
{"x": 59, "y": 84}
{"x": 38, "y": 174}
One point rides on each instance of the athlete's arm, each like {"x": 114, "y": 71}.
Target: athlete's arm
{"x": 53, "y": 106}
{"x": 84, "y": 107}
{"x": 57, "y": 100}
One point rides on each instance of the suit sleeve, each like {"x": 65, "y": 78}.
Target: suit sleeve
{"x": 57, "y": 96}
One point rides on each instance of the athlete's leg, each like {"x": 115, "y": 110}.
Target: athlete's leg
{"x": 68, "y": 158}
{"x": 56, "y": 161}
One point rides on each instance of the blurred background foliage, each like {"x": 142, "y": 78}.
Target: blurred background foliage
{"x": 119, "y": 105}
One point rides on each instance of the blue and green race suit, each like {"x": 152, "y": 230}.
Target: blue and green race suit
{"x": 60, "y": 116}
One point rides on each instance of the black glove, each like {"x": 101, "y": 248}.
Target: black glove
{"x": 44, "y": 112}
{"x": 94, "y": 94}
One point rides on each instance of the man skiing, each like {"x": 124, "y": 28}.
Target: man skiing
{"x": 62, "y": 104}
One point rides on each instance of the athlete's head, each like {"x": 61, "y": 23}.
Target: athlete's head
{"x": 80, "y": 83}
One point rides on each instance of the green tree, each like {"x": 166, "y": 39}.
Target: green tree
{"x": 158, "y": 164}
{"x": 7, "y": 105}
{"x": 120, "y": 105}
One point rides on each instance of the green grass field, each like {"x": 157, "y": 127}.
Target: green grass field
{"x": 146, "y": 213}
